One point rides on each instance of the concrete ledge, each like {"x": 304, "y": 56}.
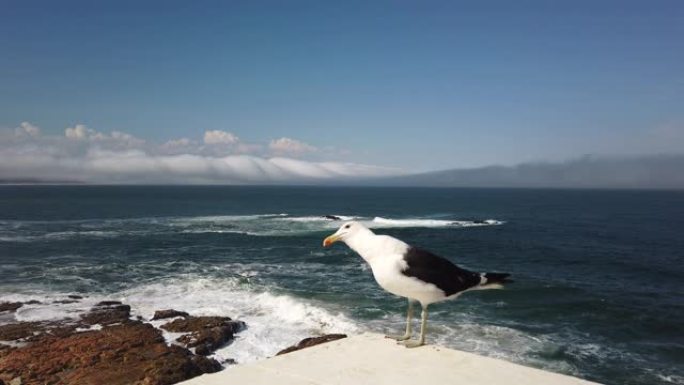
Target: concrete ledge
{"x": 371, "y": 359}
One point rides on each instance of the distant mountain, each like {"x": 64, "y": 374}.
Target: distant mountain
{"x": 644, "y": 172}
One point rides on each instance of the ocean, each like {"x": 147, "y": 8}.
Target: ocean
{"x": 598, "y": 273}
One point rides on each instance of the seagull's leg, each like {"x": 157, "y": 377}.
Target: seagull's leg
{"x": 423, "y": 330}
{"x": 409, "y": 318}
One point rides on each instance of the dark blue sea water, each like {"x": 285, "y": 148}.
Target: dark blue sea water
{"x": 598, "y": 291}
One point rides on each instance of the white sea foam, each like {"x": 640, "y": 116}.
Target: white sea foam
{"x": 221, "y": 231}
{"x": 50, "y": 310}
{"x": 281, "y": 224}
{"x": 274, "y": 321}
{"x": 423, "y": 222}
{"x": 222, "y": 218}
{"x": 320, "y": 218}
{"x": 671, "y": 378}
{"x": 89, "y": 328}
{"x": 90, "y": 233}
{"x": 14, "y": 344}
{"x": 60, "y": 235}
{"x": 410, "y": 222}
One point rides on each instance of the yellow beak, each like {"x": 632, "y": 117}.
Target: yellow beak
{"x": 330, "y": 240}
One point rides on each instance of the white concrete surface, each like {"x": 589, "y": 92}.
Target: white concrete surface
{"x": 373, "y": 359}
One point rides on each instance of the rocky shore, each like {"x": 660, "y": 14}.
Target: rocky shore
{"x": 106, "y": 345}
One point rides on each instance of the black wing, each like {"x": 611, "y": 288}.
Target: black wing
{"x": 439, "y": 271}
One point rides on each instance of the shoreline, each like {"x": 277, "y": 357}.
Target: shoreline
{"x": 370, "y": 358}
{"x": 107, "y": 344}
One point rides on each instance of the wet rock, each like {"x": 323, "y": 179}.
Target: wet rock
{"x": 192, "y": 324}
{"x": 169, "y": 313}
{"x": 206, "y": 365}
{"x": 10, "y": 306}
{"x": 21, "y": 330}
{"x": 32, "y": 302}
{"x": 206, "y": 334}
{"x": 65, "y": 301}
{"x": 131, "y": 353}
{"x": 58, "y": 330}
{"x": 332, "y": 217}
{"x": 34, "y": 331}
{"x": 312, "y": 341}
{"x": 107, "y": 313}
{"x": 74, "y": 296}
{"x": 107, "y": 303}
{"x": 5, "y": 350}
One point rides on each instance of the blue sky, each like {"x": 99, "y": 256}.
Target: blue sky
{"x": 409, "y": 85}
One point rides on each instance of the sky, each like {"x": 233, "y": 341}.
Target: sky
{"x": 255, "y": 91}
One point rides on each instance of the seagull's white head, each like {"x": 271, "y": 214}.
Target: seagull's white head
{"x": 347, "y": 231}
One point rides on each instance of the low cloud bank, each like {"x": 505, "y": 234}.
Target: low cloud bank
{"x": 83, "y": 154}
{"x": 86, "y": 155}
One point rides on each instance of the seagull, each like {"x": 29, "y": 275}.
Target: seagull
{"x": 413, "y": 273}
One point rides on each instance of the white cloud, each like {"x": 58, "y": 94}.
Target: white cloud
{"x": 248, "y": 148}
{"x": 27, "y": 129}
{"x": 182, "y": 142}
{"x": 115, "y": 139}
{"x": 87, "y": 155}
{"x": 123, "y": 137}
{"x": 137, "y": 166}
{"x": 220, "y": 137}
{"x": 178, "y": 146}
{"x": 290, "y": 146}
{"x": 79, "y": 132}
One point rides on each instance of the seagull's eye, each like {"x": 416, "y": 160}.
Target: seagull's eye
{"x": 347, "y": 226}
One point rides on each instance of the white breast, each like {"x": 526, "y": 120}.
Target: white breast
{"x": 384, "y": 254}
{"x": 388, "y": 274}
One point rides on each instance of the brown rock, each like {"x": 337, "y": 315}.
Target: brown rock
{"x": 206, "y": 334}
{"x": 312, "y": 341}
{"x": 10, "y": 306}
{"x": 4, "y": 350}
{"x": 131, "y": 353}
{"x": 107, "y": 313}
{"x": 107, "y": 303}
{"x": 65, "y": 301}
{"x": 34, "y": 331}
{"x": 191, "y": 324}
{"x": 16, "y": 331}
{"x": 169, "y": 313}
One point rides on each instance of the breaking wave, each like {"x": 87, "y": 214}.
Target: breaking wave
{"x": 252, "y": 225}
{"x": 417, "y": 222}
{"x": 274, "y": 321}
